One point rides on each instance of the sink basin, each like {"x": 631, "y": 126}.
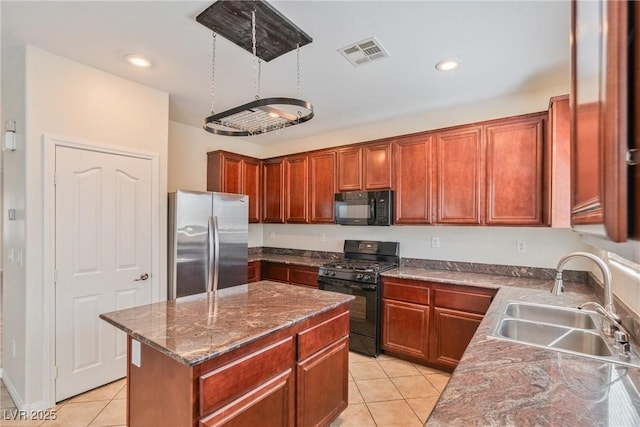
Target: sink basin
{"x": 554, "y": 337}
{"x": 549, "y": 314}
{"x": 560, "y": 329}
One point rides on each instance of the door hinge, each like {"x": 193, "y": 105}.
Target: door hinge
{"x": 633, "y": 156}
{"x": 55, "y": 276}
{"x": 54, "y": 180}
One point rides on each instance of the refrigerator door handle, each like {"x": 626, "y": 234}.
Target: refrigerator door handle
{"x": 211, "y": 254}
{"x": 214, "y": 254}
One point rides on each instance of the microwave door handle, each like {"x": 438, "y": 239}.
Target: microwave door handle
{"x": 372, "y": 211}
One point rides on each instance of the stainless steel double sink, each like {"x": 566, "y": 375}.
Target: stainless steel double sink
{"x": 557, "y": 328}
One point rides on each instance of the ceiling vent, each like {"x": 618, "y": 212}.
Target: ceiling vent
{"x": 364, "y": 51}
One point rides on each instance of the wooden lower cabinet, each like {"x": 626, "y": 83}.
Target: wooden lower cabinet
{"x": 431, "y": 323}
{"x": 451, "y": 333}
{"x": 253, "y": 271}
{"x": 404, "y": 328}
{"x": 324, "y": 370}
{"x": 293, "y": 377}
{"x": 289, "y": 273}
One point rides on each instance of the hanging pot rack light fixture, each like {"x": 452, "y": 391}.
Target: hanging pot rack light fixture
{"x": 237, "y": 22}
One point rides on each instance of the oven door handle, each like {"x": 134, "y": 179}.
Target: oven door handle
{"x": 363, "y": 288}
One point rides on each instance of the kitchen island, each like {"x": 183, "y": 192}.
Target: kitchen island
{"x": 259, "y": 354}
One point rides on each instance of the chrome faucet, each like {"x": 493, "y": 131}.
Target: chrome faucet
{"x": 558, "y": 285}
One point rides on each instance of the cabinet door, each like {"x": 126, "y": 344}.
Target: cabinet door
{"x": 377, "y": 166}
{"x": 273, "y": 194}
{"x": 459, "y": 166}
{"x": 413, "y": 180}
{"x": 224, "y": 172}
{"x": 514, "y": 171}
{"x": 405, "y": 328}
{"x": 253, "y": 271}
{"x": 350, "y": 169}
{"x": 303, "y": 276}
{"x": 296, "y": 189}
{"x": 322, "y": 384}
{"x": 322, "y": 186}
{"x": 251, "y": 187}
{"x": 558, "y": 179}
{"x": 275, "y": 271}
{"x": 450, "y": 335}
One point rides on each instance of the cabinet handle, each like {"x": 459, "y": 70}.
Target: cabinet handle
{"x": 142, "y": 277}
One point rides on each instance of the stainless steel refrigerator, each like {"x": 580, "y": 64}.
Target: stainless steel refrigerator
{"x": 208, "y": 241}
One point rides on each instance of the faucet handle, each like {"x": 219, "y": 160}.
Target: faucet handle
{"x": 622, "y": 339}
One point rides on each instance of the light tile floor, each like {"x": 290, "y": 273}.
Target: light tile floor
{"x": 101, "y": 407}
{"x": 388, "y": 392}
{"x": 383, "y": 392}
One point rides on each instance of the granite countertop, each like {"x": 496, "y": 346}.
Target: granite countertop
{"x": 290, "y": 259}
{"x": 200, "y": 327}
{"x": 500, "y": 383}
{"x": 484, "y": 280}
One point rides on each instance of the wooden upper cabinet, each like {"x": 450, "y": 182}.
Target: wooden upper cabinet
{"x": 296, "y": 189}
{"x": 587, "y": 167}
{"x": 273, "y": 190}
{"x": 322, "y": 186}
{"x": 350, "y": 169}
{"x": 413, "y": 180}
{"x": 558, "y": 158}
{"x": 252, "y": 180}
{"x": 377, "y": 166}
{"x": 234, "y": 173}
{"x": 515, "y": 171}
{"x": 459, "y": 168}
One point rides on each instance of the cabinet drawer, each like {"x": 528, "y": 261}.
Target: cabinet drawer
{"x": 278, "y": 272}
{"x": 303, "y": 276}
{"x": 319, "y": 336}
{"x": 462, "y": 300}
{"x": 229, "y": 382}
{"x": 416, "y": 293}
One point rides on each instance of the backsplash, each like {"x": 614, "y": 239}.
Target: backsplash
{"x": 468, "y": 267}
{"x": 500, "y": 270}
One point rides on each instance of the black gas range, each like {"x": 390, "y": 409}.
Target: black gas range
{"x": 358, "y": 274}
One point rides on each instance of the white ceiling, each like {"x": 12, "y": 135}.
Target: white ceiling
{"x": 506, "y": 47}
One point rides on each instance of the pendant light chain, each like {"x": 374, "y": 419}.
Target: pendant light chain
{"x": 298, "y": 68}
{"x": 213, "y": 73}
{"x": 256, "y": 61}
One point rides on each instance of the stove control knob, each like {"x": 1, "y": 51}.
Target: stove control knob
{"x": 367, "y": 277}
{"x": 359, "y": 276}
{"x": 333, "y": 273}
{"x": 326, "y": 272}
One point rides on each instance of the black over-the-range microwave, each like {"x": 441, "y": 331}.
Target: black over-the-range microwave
{"x": 364, "y": 208}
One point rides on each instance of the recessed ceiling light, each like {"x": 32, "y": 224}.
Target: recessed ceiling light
{"x": 448, "y": 64}
{"x": 137, "y": 60}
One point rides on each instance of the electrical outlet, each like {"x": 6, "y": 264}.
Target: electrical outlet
{"x": 323, "y": 237}
{"x": 435, "y": 242}
{"x": 272, "y": 236}
{"x": 521, "y": 247}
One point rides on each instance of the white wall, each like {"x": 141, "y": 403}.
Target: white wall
{"x": 188, "y": 147}
{"x": 68, "y": 99}
{"x": 489, "y": 245}
{"x": 14, "y": 276}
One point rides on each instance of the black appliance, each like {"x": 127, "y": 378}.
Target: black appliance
{"x": 364, "y": 208}
{"x": 358, "y": 274}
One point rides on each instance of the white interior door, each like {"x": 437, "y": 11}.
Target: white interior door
{"x": 103, "y": 255}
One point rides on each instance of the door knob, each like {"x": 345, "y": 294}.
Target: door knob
{"x": 143, "y": 276}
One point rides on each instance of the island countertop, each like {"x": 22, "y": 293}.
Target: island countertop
{"x": 194, "y": 329}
